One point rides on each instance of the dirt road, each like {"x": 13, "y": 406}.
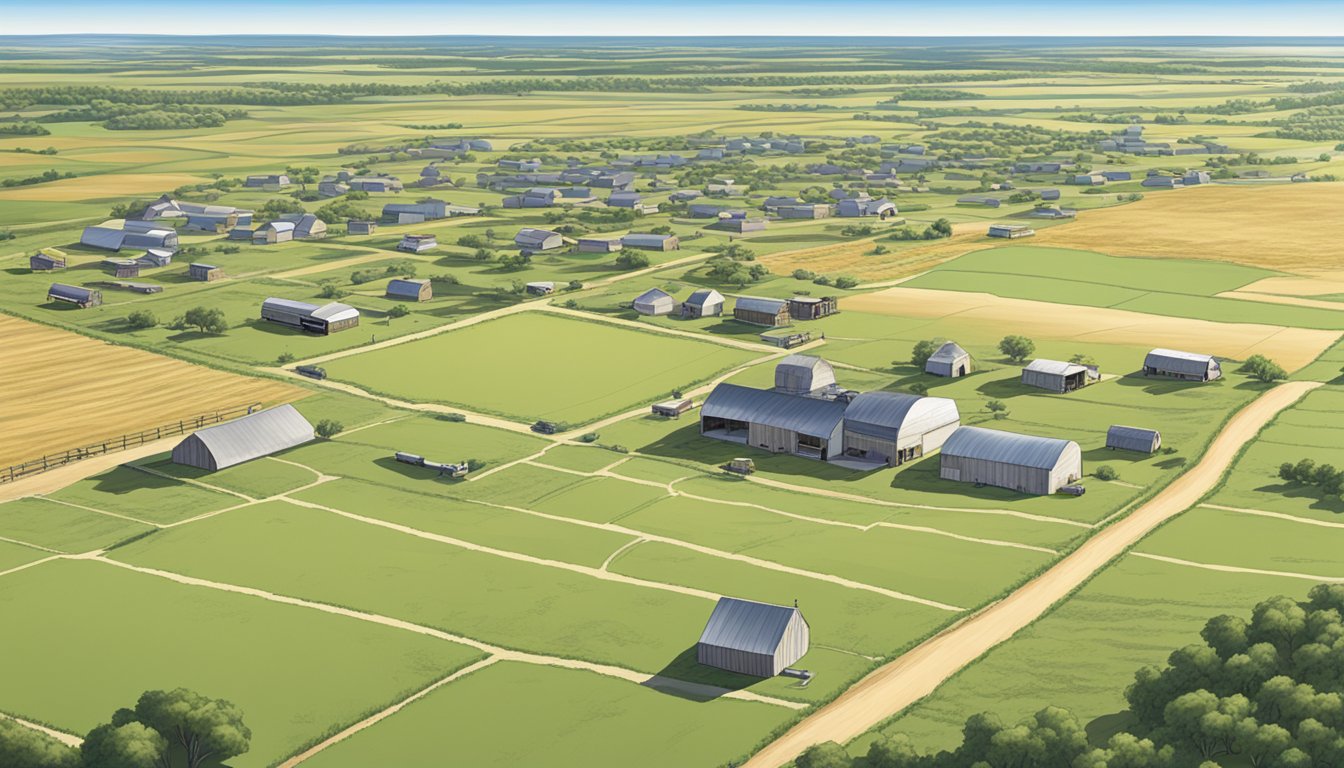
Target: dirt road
{"x": 895, "y": 686}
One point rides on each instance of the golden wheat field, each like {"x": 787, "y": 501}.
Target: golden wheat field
{"x": 1288, "y": 227}
{"x": 72, "y": 390}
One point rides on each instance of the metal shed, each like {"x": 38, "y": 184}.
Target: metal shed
{"x": 1133, "y": 439}
{"x": 46, "y": 260}
{"x": 774, "y": 421}
{"x": 531, "y": 239}
{"x": 1188, "y": 366}
{"x": 412, "y": 290}
{"x": 894, "y": 428}
{"x": 756, "y": 311}
{"x": 803, "y": 375}
{"x": 1023, "y": 463}
{"x": 812, "y": 307}
{"x": 753, "y": 638}
{"x": 705, "y": 302}
{"x": 250, "y": 437}
{"x": 204, "y": 272}
{"x": 655, "y": 301}
{"x": 950, "y": 360}
{"x": 73, "y": 294}
{"x": 1058, "y": 376}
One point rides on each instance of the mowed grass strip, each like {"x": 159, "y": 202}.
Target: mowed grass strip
{"x": 317, "y": 555}
{"x": 1239, "y": 540}
{"x": 14, "y": 555}
{"x": 56, "y": 526}
{"x": 534, "y": 365}
{"x": 259, "y": 479}
{"x": 296, "y": 673}
{"x": 573, "y": 719}
{"x": 144, "y": 496}
{"x": 1131, "y": 615}
{"x": 488, "y": 526}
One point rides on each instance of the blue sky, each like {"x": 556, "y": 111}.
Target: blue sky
{"x": 681, "y": 17}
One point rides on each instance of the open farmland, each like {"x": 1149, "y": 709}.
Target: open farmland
{"x": 363, "y": 607}
{"x": 72, "y": 391}
{"x": 593, "y": 369}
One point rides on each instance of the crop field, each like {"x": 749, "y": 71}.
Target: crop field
{"x": 593, "y": 369}
{"x": 545, "y": 609}
{"x": 95, "y": 380}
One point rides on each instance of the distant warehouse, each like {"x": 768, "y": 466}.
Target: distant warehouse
{"x": 251, "y": 437}
{"x": 752, "y": 638}
{"x": 655, "y": 301}
{"x": 757, "y": 311}
{"x": 1188, "y": 366}
{"x": 410, "y": 290}
{"x": 1023, "y": 463}
{"x": 73, "y": 294}
{"x": 1058, "y": 376}
{"x": 324, "y": 320}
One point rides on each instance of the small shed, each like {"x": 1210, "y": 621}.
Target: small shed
{"x": 812, "y": 308}
{"x": 250, "y": 437}
{"x": 417, "y": 243}
{"x": 705, "y": 302}
{"x": 803, "y": 375}
{"x": 1187, "y": 366}
{"x": 650, "y": 242}
{"x": 598, "y": 245}
{"x": 1136, "y": 439}
{"x": 410, "y": 290}
{"x": 672, "y": 408}
{"x": 46, "y": 260}
{"x": 1058, "y": 376}
{"x": 540, "y": 288}
{"x": 156, "y": 257}
{"x": 207, "y": 273}
{"x": 361, "y": 227}
{"x": 950, "y": 360}
{"x": 655, "y": 301}
{"x": 122, "y": 267}
{"x": 532, "y": 239}
{"x": 752, "y": 638}
{"x": 273, "y": 232}
{"x": 73, "y": 294}
{"x": 1023, "y": 463}
{"x": 1010, "y": 231}
{"x": 757, "y": 311}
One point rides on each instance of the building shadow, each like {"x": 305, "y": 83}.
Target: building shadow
{"x": 686, "y": 678}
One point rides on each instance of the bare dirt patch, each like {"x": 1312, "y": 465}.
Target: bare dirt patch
{"x": 1291, "y": 347}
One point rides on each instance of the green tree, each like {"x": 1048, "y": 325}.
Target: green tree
{"x": 400, "y": 310}
{"x": 629, "y": 259}
{"x": 25, "y": 747}
{"x": 205, "y": 729}
{"x": 303, "y": 176}
{"x": 825, "y": 755}
{"x": 141, "y": 319}
{"x": 328, "y": 428}
{"x": 1264, "y": 369}
{"x": 206, "y": 320}
{"x": 923, "y": 350}
{"x": 1017, "y": 348}
{"x": 280, "y": 206}
{"x": 131, "y": 745}
{"x": 1106, "y": 472}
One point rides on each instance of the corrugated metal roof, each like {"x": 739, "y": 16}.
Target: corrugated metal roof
{"x": 256, "y": 435}
{"x": 887, "y": 414}
{"x": 756, "y": 304}
{"x": 335, "y": 311}
{"x": 654, "y": 295}
{"x": 1055, "y": 367}
{"x": 403, "y": 287}
{"x": 1131, "y": 438}
{"x": 532, "y": 236}
{"x": 800, "y": 374}
{"x": 948, "y": 353}
{"x": 704, "y": 295}
{"x": 1005, "y": 447}
{"x": 1177, "y": 361}
{"x": 69, "y": 292}
{"x": 805, "y": 415}
{"x": 290, "y": 304}
{"x": 102, "y": 237}
{"x": 639, "y": 239}
{"x": 746, "y": 625}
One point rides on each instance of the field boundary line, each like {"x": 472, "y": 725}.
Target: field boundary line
{"x": 30, "y": 545}
{"x": 189, "y": 481}
{"x": 97, "y": 511}
{"x": 1275, "y": 515}
{"x": 621, "y": 550}
{"x": 1237, "y": 569}
{"x": 504, "y": 654}
{"x": 388, "y": 712}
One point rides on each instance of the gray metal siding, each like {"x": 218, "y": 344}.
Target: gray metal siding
{"x": 1018, "y": 462}
{"x": 1133, "y": 439}
{"x": 250, "y": 437}
{"x": 753, "y": 638}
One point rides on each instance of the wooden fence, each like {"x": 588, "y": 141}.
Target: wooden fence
{"x": 120, "y": 443}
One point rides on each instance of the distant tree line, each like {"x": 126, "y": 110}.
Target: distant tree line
{"x": 1267, "y": 692}
{"x": 23, "y": 129}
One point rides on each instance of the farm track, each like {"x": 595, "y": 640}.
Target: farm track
{"x": 914, "y": 675}
{"x": 1239, "y": 569}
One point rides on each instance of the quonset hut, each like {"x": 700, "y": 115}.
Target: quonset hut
{"x": 251, "y": 437}
{"x": 1023, "y": 463}
{"x": 894, "y": 428}
{"x": 1188, "y": 366}
{"x": 1133, "y": 439}
{"x": 753, "y": 638}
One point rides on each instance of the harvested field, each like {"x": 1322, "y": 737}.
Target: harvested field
{"x": 1286, "y": 227}
{"x": 857, "y": 258}
{"x": 72, "y": 390}
{"x": 103, "y": 186}
{"x": 1291, "y": 347}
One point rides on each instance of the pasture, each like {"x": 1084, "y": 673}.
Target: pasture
{"x": 592, "y": 369}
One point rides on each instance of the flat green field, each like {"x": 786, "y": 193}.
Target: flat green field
{"x": 532, "y": 366}
{"x": 622, "y": 724}
{"x": 295, "y": 672}
{"x": 63, "y": 528}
